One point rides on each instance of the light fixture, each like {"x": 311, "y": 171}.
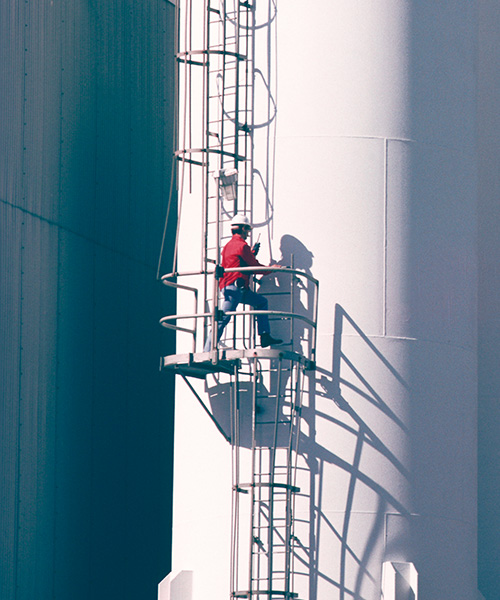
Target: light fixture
{"x": 228, "y": 180}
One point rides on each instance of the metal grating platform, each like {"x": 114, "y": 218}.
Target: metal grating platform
{"x": 201, "y": 364}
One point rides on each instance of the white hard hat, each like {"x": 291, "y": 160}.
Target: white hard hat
{"x": 240, "y": 221}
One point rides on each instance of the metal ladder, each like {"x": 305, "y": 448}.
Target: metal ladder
{"x": 228, "y": 115}
{"x": 264, "y": 481}
{"x": 217, "y": 73}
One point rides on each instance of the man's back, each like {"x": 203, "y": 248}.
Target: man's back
{"x": 237, "y": 253}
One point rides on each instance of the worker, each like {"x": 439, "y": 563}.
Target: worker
{"x": 236, "y": 286}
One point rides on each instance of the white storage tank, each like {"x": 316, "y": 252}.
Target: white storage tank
{"x": 375, "y": 196}
{"x": 376, "y": 176}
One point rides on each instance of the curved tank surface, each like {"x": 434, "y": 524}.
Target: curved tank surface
{"x": 376, "y": 175}
{"x": 374, "y": 194}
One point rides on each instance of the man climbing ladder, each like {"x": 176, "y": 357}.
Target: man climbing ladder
{"x": 236, "y": 286}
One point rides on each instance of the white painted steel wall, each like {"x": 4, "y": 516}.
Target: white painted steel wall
{"x": 376, "y": 177}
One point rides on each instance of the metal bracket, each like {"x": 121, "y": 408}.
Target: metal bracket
{"x": 219, "y": 271}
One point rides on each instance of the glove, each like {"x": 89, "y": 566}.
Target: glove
{"x": 256, "y": 248}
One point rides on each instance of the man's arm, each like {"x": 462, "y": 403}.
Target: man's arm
{"x": 249, "y": 257}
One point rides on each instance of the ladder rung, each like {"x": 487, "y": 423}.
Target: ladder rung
{"x": 265, "y": 593}
{"x": 292, "y": 488}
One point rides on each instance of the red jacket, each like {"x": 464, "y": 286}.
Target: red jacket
{"x": 237, "y": 253}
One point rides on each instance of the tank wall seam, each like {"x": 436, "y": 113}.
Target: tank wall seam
{"x": 385, "y": 267}
{"x": 462, "y": 148}
{"x": 77, "y": 234}
{"x": 409, "y": 339}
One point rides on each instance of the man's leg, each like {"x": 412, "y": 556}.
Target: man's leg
{"x": 232, "y": 297}
{"x": 259, "y": 302}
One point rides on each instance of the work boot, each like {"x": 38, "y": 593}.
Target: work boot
{"x": 266, "y": 339}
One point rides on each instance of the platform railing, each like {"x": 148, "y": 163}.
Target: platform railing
{"x": 171, "y": 321}
{"x": 165, "y": 321}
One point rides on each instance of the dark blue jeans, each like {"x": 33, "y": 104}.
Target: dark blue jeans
{"x": 233, "y": 295}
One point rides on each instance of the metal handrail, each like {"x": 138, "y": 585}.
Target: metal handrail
{"x": 166, "y": 321}
{"x": 269, "y": 269}
{"x": 174, "y": 284}
{"x": 187, "y": 288}
{"x": 238, "y": 313}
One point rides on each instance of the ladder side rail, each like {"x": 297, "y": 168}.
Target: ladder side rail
{"x": 237, "y": 97}
{"x": 235, "y": 467}
{"x": 222, "y": 97}
{"x": 249, "y": 107}
{"x": 189, "y": 91}
{"x": 315, "y": 317}
{"x": 215, "y": 297}
{"x": 294, "y": 428}
{"x": 248, "y": 337}
{"x": 272, "y": 481}
{"x": 241, "y": 126}
{"x": 298, "y": 398}
{"x": 252, "y": 487}
{"x": 262, "y": 519}
{"x": 206, "y": 115}
{"x": 205, "y": 213}
{"x": 251, "y": 87}
{"x": 292, "y": 302}
{"x": 268, "y": 119}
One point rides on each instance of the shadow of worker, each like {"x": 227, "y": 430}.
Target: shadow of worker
{"x": 291, "y": 293}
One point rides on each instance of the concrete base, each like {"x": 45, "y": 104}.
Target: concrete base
{"x": 176, "y": 586}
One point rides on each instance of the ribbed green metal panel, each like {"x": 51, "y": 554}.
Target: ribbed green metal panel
{"x": 86, "y": 93}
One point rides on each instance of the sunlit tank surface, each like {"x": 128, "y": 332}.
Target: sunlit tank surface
{"x": 375, "y": 196}
{"x": 376, "y": 175}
